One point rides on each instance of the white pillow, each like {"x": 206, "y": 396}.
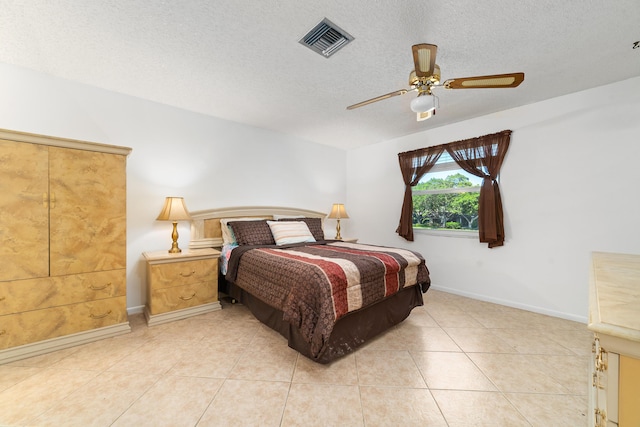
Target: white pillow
{"x": 288, "y": 232}
{"x": 227, "y": 234}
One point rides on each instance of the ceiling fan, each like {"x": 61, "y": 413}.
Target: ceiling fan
{"x": 426, "y": 76}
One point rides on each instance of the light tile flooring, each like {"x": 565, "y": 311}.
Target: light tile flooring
{"x": 454, "y": 362}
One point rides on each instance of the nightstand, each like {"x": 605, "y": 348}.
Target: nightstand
{"x": 350, "y": 239}
{"x": 181, "y": 285}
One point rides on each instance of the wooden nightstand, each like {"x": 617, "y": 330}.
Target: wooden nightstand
{"x": 350, "y": 239}
{"x": 181, "y": 285}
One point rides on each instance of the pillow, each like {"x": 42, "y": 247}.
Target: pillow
{"x": 227, "y": 234}
{"x": 314, "y": 224}
{"x": 288, "y": 232}
{"x": 252, "y": 232}
{"x": 279, "y": 217}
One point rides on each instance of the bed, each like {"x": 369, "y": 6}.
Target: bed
{"x": 326, "y": 297}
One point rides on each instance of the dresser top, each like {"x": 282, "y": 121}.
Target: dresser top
{"x": 33, "y": 138}
{"x": 185, "y": 255}
{"x": 614, "y": 295}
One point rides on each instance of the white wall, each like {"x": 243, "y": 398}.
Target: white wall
{"x": 210, "y": 162}
{"x": 556, "y": 213}
{"x": 569, "y": 186}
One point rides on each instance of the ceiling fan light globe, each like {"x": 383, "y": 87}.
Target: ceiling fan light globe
{"x": 423, "y": 103}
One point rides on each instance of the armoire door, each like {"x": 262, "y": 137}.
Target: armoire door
{"x": 87, "y": 214}
{"x": 24, "y": 211}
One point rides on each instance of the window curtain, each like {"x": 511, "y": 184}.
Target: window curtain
{"x": 483, "y": 157}
{"x": 414, "y": 164}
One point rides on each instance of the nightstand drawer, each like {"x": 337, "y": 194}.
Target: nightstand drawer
{"x": 178, "y": 297}
{"x": 182, "y": 273}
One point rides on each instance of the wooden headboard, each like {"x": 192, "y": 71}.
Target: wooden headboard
{"x": 205, "y": 225}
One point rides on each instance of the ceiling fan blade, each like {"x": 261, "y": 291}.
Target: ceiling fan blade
{"x": 486, "y": 82}
{"x": 424, "y": 58}
{"x": 377, "y": 98}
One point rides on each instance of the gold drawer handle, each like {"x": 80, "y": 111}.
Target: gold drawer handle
{"x": 3, "y": 298}
{"x": 188, "y": 298}
{"x": 101, "y": 316}
{"x": 602, "y": 360}
{"x": 2, "y": 332}
{"x": 96, "y": 288}
{"x": 596, "y": 381}
{"x": 188, "y": 274}
{"x": 600, "y": 417}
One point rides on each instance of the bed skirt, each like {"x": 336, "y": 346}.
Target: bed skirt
{"x": 349, "y": 332}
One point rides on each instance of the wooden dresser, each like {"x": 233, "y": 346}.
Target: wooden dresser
{"x": 63, "y": 251}
{"x": 614, "y": 317}
{"x": 180, "y": 285}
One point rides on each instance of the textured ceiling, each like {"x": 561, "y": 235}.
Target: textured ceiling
{"x": 241, "y": 60}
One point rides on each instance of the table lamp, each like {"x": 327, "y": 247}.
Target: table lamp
{"x": 174, "y": 210}
{"x": 337, "y": 212}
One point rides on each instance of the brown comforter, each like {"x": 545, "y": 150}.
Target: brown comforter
{"x": 314, "y": 285}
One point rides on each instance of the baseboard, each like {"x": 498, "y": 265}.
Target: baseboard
{"x": 135, "y": 310}
{"x": 534, "y": 309}
{"x": 156, "y": 319}
{"x": 53, "y": 344}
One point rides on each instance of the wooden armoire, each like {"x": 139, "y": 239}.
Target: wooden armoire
{"x": 62, "y": 243}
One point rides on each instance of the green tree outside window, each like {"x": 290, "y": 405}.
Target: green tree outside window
{"x": 446, "y": 203}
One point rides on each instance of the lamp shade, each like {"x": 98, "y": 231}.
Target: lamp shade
{"x": 423, "y": 103}
{"x": 174, "y": 209}
{"x": 338, "y": 211}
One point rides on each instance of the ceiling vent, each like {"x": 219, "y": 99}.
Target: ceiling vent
{"x": 326, "y": 38}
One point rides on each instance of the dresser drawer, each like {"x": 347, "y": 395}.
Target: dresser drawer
{"x": 35, "y": 294}
{"x": 37, "y": 325}
{"x": 178, "y": 297}
{"x": 182, "y": 273}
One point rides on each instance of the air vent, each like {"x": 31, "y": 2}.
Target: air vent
{"x": 326, "y": 38}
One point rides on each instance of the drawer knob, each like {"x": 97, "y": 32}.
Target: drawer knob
{"x": 188, "y": 298}
{"x": 99, "y": 288}
{"x": 2, "y": 332}
{"x": 2, "y": 298}
{"x": 100, "y": 316}
{"x": 191, "y": 273}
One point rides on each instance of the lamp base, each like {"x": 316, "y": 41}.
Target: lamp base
{"x": 174, "y": 235}
{"x": 338, "y": 236}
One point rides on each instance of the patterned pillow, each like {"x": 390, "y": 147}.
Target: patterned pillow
{"x": 252, "y": 232}
{"x": 288, "y": 232}
{"x": 227, "y": 234}
{"x": 314, "y": 224}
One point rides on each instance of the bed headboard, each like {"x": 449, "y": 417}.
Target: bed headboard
{"x": 205, "y": 225}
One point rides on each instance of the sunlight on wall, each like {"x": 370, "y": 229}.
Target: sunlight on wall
{"x": 174, "y": 170}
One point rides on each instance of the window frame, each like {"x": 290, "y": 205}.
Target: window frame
{"x": 449, "y": 165}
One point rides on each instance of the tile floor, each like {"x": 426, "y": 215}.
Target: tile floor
{"x": 454, "y": 362}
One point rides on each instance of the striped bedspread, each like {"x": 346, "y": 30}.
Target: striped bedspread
{"x": 314, "y": 285}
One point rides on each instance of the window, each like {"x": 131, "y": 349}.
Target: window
{"x": 482, "y": 156}
{"x": 446, "y": 198}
